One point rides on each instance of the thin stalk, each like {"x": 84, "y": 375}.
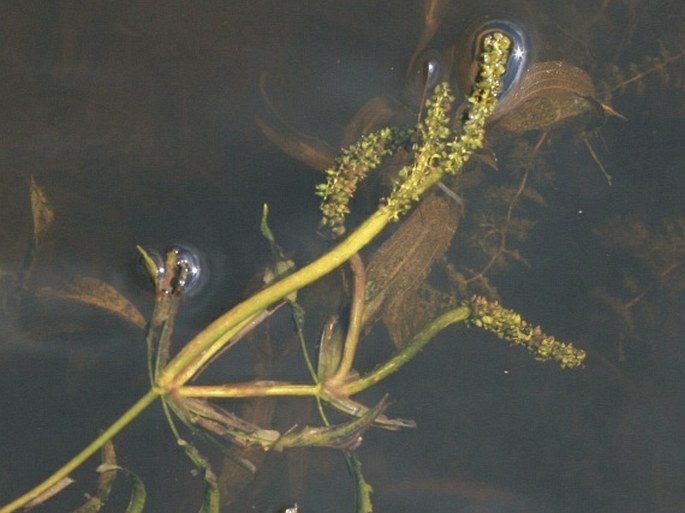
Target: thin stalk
{"x": 86, "y": 453}
{"x": 231, "y": 336}
{"x": 407, "y": 352}
{"x": 253, "y": 389}
{"x": 423, "y": 174}
{"x": 356, "y": 317}
{"x": 166, "y": 332}
{"x": 207, "y": 343}
{"x": 242, "y": 333}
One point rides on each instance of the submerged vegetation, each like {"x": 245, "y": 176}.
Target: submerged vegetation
{"x": 436, "y": 150}
{"x": 427, "y": 255}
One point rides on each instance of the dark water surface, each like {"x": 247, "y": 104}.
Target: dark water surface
{"x": 137, "y": 119}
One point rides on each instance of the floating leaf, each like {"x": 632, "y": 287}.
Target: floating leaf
{"x": 97, "y": 293}
{"x": 43, "y": 215}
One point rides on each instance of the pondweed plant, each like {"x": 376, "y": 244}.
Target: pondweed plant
{"x": 436, "y": 149}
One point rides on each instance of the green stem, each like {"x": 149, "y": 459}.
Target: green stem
{"x": 86, "y": 453}
{"x": 407, "y": 352}
{"x": 254, "y": 389}
{"x": 354, "y": 327}
{"x": 423, "y": 174}
{"x": 207, "y": 343}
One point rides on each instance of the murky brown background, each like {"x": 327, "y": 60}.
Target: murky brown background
{"x": 138, "y": 121}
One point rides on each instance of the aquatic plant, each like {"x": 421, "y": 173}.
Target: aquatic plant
{"x": 648, "y": 299}
{"x": 436, "y": 148}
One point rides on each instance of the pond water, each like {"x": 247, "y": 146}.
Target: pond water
{"x": 138, "y": 121}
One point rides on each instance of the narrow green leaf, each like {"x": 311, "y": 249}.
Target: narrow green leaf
{"x": 105, "y": 482}
{"x": 330, "y": 349}
{"x": 149, "y": 263}
{"x": 211, "y": 500}
{"x": 362, "y": 489}
{"x": 282, "y": 265}
{"x": 136, "y": 503}
{"x": 342, "y": 436}
{"x": 43, "y": 214}
{"x": 264, "y": 225}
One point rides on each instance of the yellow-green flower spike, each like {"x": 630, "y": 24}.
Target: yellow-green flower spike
{"x": 352, "y": 166}
{"x": 508, "y": 325}
{"x": 436, "y": 149}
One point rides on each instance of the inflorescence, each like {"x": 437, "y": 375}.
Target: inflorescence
{"x": 352, "y": 166}
{"x": 508, "y": 325}
{"x": 435, "y": 149}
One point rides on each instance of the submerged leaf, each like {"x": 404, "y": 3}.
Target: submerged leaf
{"x": 95, "y": 292}
{"x": 378, "y": 112}
{"x": 309, "y": 150}
{"x": 549, "y": 93}
{"x": 211, "y": 500}
{"x": 136, "y": 503}
{"x": 363, "y": 489}
{"x": 402, "y": 263}
{"x": 96, "y": 501}
{"x": 330, "y": 349}
{"x": 282, "y": 264}
{"x": 149, "y": 263}
{"x": 43, "y": 215}
{"x": 241, "y": 464}
{"x": 351, "y": 407}
{"x": 218, "y": 421}
{"x": 343, "y": 436}
{"x": 433, "y": 14}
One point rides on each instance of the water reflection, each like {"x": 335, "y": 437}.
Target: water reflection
{"x": 138, "y": 121}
